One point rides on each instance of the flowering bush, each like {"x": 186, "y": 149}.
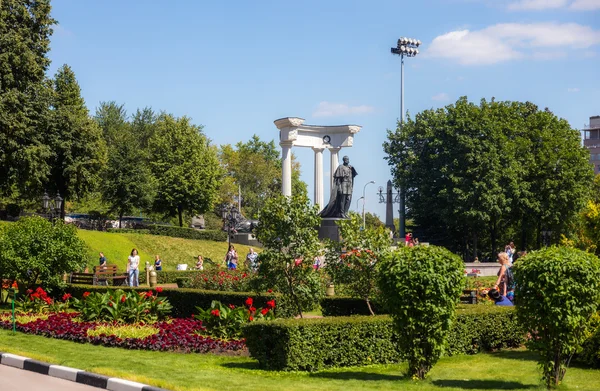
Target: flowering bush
{"x": 221, "y": 280}
{"x": 121, "y": 306}
{"x": 180, "y": 335}
{"x": 226, "y": 321}
{"x": 356, "y": 268}
{"x": 36, "y": 301}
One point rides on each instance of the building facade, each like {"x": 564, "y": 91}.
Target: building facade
{"x": 591, "y": 140}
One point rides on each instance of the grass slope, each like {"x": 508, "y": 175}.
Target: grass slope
{"x": 507, "y": 370}
{"x": 173, "y": 251}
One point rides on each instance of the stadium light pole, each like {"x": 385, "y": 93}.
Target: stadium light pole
{"x": 406, "y": 47}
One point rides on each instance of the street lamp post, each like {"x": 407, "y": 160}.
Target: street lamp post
{"x": 231, "y": 218}
{"x": 357, "y": 202}
{"x": 405, "y": 47}
{"x": 364, "y": 201}
{"x": 52, "y": 206}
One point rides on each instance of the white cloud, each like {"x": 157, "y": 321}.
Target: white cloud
{"x": 585, "y": 5}
{"x": 329, "y": 109}
{"x": 509, "y": 41}
{"x": 575, "y": 89}
{"x": 442, "y": 96}
{"x": 537, "y": 5}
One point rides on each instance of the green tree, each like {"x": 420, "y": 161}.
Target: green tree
{"x": 185, "y": 165}
{"x": 353, "y": 260}
{"x": 128, "y": 182}
{"x": 373, "y": 221}
{"x": 112, "y": 119}
{"x": 25, "y": 30}
{"x": 287, "y": 232}
{"x": 558, "y": 291}
{"x": 142, "y": 125}
{"x": 492, "y": 168}
{"x": 34, "y": 251}
{"x": 420, "y": 287}
{"x": 255, "y": 167}
{"x": 78, "y": 148}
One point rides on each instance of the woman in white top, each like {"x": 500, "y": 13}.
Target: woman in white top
{"x": 200, "y": 263}
{"x": 133, "y": 263}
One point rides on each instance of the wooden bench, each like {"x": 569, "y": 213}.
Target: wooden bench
{"x": 103, "y": 274}
{"x": 469, "y": 296}
{"x": 82, "y": 278}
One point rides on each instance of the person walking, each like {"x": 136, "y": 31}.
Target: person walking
{"x": 251, "y": 260}
{"x": 157, "y": 263}
{"x": 231, "y": 259}
{"x": 102, "y": 260}
{"x": 133, "y": 263}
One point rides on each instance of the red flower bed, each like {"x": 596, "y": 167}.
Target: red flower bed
{"x": 176, "y": 335}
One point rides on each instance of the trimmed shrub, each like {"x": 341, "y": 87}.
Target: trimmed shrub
{"x": 170, "y": 276}
{"x": 188, "y": 233}
{"x": 346, "y": 306}
{"x": 175, "y": 232}
{"x": 128, "y": 231}
{"x": 315, "y": 344}
{"x": 421, "y": 287}
{"x": 557, "y": 292}
{"x": 185, "y": 301}
{"x": 590, "y": 350}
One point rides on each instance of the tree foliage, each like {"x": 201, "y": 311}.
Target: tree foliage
{"x": 558, "y": 291}
{"x": 128, "y": 183}
{"x": 255, "y": 167}
{"x": 354, "y": 259}
{"x": 473, "y": 172}
{"x": 420, "y": 287}
{"x": 288, "y": 233}
{"x": 78, "y": 148}
{"x": 185, "y": 165}
{"x": 25, "y": 30}
{"x": 33, "y": 250}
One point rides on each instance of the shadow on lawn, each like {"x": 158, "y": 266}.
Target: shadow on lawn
{"x": 241, "y": 365}
{"x": 522, "y": 355}
{"x": 483, "y": 384}
{"x": 357, "y": 376}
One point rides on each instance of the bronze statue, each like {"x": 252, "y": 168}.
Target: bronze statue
{"x": 341, "y": 191}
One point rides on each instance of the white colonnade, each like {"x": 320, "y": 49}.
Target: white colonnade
{"x": 293, "y": 132}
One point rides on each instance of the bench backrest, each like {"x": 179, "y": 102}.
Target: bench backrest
{"x": 108, "y": 270}
{"x": 82, "y": 278}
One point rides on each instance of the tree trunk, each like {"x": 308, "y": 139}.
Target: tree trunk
{"x": 474, "y": 246}
{"x": 180, "y": 212}
{"x": 369, "y": 305}
{"x": 523, "y": 235}
{"x": 120, "y": 218}
{"x": 493, "y": 237}
{"x": 539, "y": 234}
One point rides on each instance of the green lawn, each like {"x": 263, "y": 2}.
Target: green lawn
{"x": 173, "y": 251}
{"x": 508, "y": 370}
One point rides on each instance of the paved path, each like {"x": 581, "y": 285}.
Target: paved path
{"x": 13, "y": 379}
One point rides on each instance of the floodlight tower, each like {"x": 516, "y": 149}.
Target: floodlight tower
{"x": 406, "y": 47}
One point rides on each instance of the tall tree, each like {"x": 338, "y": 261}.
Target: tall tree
{"x": 186, "y": 167}
{"x": 493, "y": 168}
{"x": 142, "y": 124}
{"x": 78, "y": 148}
{"x": 112, "y": 119}
{"x": 128, "y": 182}
{"x": 25, "y": 30}
{"x": 255, "y": 167}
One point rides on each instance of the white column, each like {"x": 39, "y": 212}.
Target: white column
{"x": 319, "y": 198}
{"x": 286, "y": 169}
{"x": 335, "y": 162}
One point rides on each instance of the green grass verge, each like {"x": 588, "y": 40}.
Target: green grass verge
{"x": 507, "y": 370}
{"x": 173, "y": 251}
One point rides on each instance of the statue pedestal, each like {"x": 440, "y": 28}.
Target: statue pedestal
{"x": 329, "y": 228}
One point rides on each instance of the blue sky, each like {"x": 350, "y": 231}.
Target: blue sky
{"x": 236, "y": 66}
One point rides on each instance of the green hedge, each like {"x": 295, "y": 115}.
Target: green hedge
{"x": 184, "y": 301}
{"x": 188, "y": 233}
{"x": 170, "y": 276}
{"x": 346, "y": 306}
{"x": 315, "y": 344}
{"x": 176, "y": 232}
